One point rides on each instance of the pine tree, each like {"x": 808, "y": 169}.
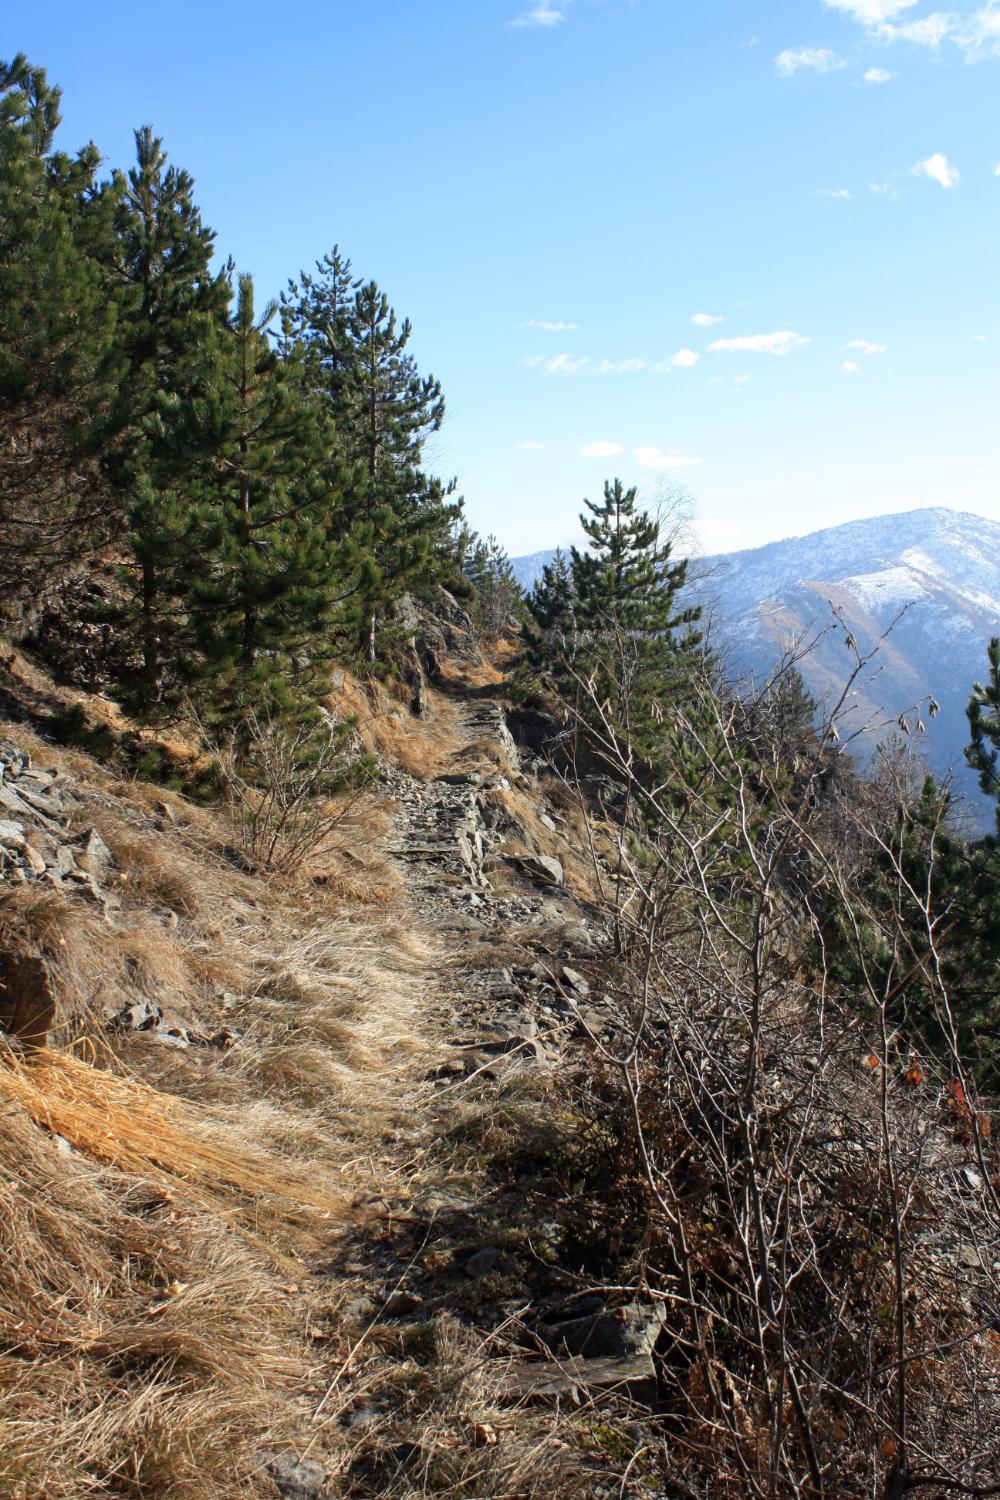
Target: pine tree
{"x": 552, "y": 605}
{"x": 983, "y": 752}
{"x": 355, "y": 356}
{"x": 269, "y": 515}
{"x": 317, "y": 318}
{"x": 497, "y": 595}
{"x": 56, "y": 328}
{"x": 637, "y": 639}
{"x": 170, "y": 305}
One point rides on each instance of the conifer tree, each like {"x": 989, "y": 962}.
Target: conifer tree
{"x": 317, "y": 317}
{"x": 405, "y": 519}
{"x": 56, "y": 328}
{"x": 983, "y": 752}
{"x": 552, "y": 605}
{"x": 355, "y": 356}
{"x": 637, "y": 635}
{"x": 170, "y": 304}
{"x": 270, "y": 517}
{"x": 497, "y": 595}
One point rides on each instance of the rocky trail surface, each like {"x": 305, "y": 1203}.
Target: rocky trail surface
{"x": 507, "y": 1000}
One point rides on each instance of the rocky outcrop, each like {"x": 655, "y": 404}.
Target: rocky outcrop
{"x": 434, "y": 633}
{"x": 37, "y": 843}
{"x": 27, "y": 1001}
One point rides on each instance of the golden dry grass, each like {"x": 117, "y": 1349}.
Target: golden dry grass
{"x": 161, "y": 1209}
{"x": 386, "y": 727}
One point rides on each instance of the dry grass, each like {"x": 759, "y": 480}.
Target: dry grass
{"x": 154, "y": 1202}
{"x": 160, "y": 1209}
{"x": 144, "y": 1349}
{"x": 386, "y": 728}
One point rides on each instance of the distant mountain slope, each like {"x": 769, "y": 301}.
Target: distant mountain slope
{"x": 940, "y": 568}
{"x": 528, "y": 570}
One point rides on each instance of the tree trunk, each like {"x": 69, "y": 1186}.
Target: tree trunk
{"x": 150, "y": 637}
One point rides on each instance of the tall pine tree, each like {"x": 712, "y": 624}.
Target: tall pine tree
{"x": 170, "y": 305}
{"x": 57, "y": 324}
{"x": 270, "y": 515}
{"x": 635, "y": 640}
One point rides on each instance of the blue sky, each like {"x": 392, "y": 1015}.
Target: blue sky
{"x": 555, "y": 190}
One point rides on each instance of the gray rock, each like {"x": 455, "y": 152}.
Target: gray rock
{"x": 295, "y": 1478}
{"x": 547, "y": 822}
{"x": 580, "y": 939}
{"x": 92, "y": 853}
{"x": 484, "y": 1261}
{"x": 629, "y": 1330}
{"x": 461, "y": 778}
{"x": 543, "y": 868}
{"x": 11, "y": 834}
{"x": 576, "y": 981}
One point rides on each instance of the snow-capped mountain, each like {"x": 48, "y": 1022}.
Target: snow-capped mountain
{"x": 931, "y": 578}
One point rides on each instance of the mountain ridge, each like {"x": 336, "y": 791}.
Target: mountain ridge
{"x": 922, "y": 585}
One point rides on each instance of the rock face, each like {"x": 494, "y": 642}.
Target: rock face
{"x": 27, "y": 1003}
{"x": 434, "y": 634}
{"x": 36, "y": 843}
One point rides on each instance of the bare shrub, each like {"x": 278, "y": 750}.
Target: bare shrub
{"x": 289, "y": 787}
{"x": 813, "y": 1201}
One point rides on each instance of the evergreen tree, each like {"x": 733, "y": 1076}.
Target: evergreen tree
{"x": 170, "y": 308}
{"x": 497, "y": 595}
{"x": 355, "y": 357}
{"x": 552, "y": 606}
{"x": 637, "y": 639}
{"x": 983, "y": 752}
{"x": 317, "y": 317}
{"x": 270, "y": 516}
{"x": 56, "y": 330}
{"x": 405, "y": 519}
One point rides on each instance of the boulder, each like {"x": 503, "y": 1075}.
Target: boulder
{"x": 27, "y": 1002}
{"x": 295, "y": 1478}
{"x": 618, "y": 1334}
{"x": 544, "y": 869}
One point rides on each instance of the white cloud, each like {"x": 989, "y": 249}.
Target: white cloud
{"x": 543, "y": 14}
{"x": 684, "y": 359}
{"x": 655, "y": 458}
{"x": 707, "y": 320}
{"x": 850, "y": 367}
{"x": 882, "y": 189}
{"x": 531, "y": 447}
{"x": 878, "y": 75}
{"x": 549, "y": 327}
{"x": 620, "y": 367}
{"x": 759, "y": 343}
{"x": 844, "y": 193}
{"x": 601, "y": 450}
{"x": 866, "y": 347}
{"x": 996, "y": 170}
{"x": 871, "y": 12}
{"x": 931, "y": 31}
{"x": 557, "y": 364}
{"x": 819, "y": 59}
{"x": 939, "y": 168}
{"x": 976, "y": 33}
